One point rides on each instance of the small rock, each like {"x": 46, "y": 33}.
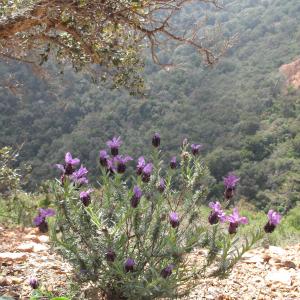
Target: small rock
{"x": 289, "y": 264}
{"x": 43, "y": 238}
{"x": 282, "y": 276}
{"x": 27, "y": 247}
{"x": 40, "y": 247}
{"x": 277, "y": 250}
{"x": 12, "y": 256}
{"x": 32, "y": 237}
{"x": 252, "y": 259}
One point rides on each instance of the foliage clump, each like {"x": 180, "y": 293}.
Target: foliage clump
{"x": 130, "y": 238}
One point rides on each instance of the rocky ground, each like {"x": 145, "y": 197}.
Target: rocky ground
{"x": 25, "y": 253}
{"x": 269, "y": 274}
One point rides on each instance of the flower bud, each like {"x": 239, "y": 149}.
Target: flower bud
{"x": 167, "y": 271}
{"x": 196, "y": 149}
{"x": 147, "y": 171}
{"x": 114, "y": 145}
{"x": 110, "y": 255}
{"x": 33, "y": 282}
{"x": 137, "y": 195}
{"x": 173, "y": 163}
{"x": 274, "y": 220}
{"x": 103, "y": 157}
{"x": 213, "y": 218}
{"x": 156, "y": 140}
{"x": 129, "y": 265}
{"x": 174, "y": 219}
{"x": 232, "y": 228}
{"x": 162, "y": 185}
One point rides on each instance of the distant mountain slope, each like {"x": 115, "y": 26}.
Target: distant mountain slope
{"x": 241, "y": 110}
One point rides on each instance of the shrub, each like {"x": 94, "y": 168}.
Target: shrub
{"x": 130, "y": 238}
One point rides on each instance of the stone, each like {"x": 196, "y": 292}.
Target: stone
{"x": 250, "y": 258}
{"x": 277, "y": 250}
{"x": 289, "y": 264}
{"x": 26, "y": 247}
{"x": 13, "y": 256}
{"x": 40, "y": 247}
{"x": 43, "y": 238}
{"x": 282, "y": 276}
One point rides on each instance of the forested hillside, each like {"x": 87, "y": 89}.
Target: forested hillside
{"x": 241, "y": 110}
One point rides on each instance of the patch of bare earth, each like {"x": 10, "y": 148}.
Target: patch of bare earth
{"x": 266, "y": 274}
{"x": 292, "y": 73}
{"x": 26, "y": 253}
{"x": 262, "y": 274}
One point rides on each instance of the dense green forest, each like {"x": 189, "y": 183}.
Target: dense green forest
{"x": 241, "y": 110}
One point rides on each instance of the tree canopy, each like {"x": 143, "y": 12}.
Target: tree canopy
{"x": 102, "y": 36}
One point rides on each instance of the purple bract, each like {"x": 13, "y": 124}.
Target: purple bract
{"x": 230, "y": 181}
{"x": 235, "y": 220}
{"x": 162, "y": 185}
{"x": 274, "y": 219}
{"x": 129, "y": 265}
{"x": 33, "y": 282}
{"x": 114, "y": 145}
{"x": 196, "y": 148}
{"x": 137, "y": 195}
{"x": 70, "y": 162}
{"x": 217, "y": 214}
{"x": 40, "y": 219}
{"x": 140, "y": 165}
{"x": 103, "y": 157}
{"x": 173, "y": 162}
{"x": 146, "y": 173}
{"x": 121, "y": 163}
{"x": 174, "y": 219}
{"x": 79, "y": 176}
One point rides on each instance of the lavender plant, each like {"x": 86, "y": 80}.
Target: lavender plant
{"x": 131, "y": 236}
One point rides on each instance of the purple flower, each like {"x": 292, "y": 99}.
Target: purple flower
{"x": 274, "y": 219}
{"x": 114, "y": 145}
{"x": 137, "y": 195}
{"x": 196, "y": 148}
{"x": 111, "y": 165}
{"x": 85, "y": 197}
{"x": 129, "y": 265}
{"x": 173, "y": 162}
{"x": 40, "y": 219}
{"x": 156, "y": 140}
{"x": 140, "y": 165}
{"x": 174, "y": 219}
{"x": 103, "y": 157}
{"x": 235, "y": 220}
{"x": 167, "y": 271}
{"x": 121, "y": 163}
{"x": 231, "y": 180}
{"x": 33, "y": 282}
{"x": 110, "y": 255}
{"x": 161, "y": 185}
{"x": 70, "y": 162}
{"x": 47, "y": 212}
{"x": 79, "y": 176}
{"x": 230, "y": 183}
{"x": 146, "y": 173}
{"x": 217, "y": 214}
